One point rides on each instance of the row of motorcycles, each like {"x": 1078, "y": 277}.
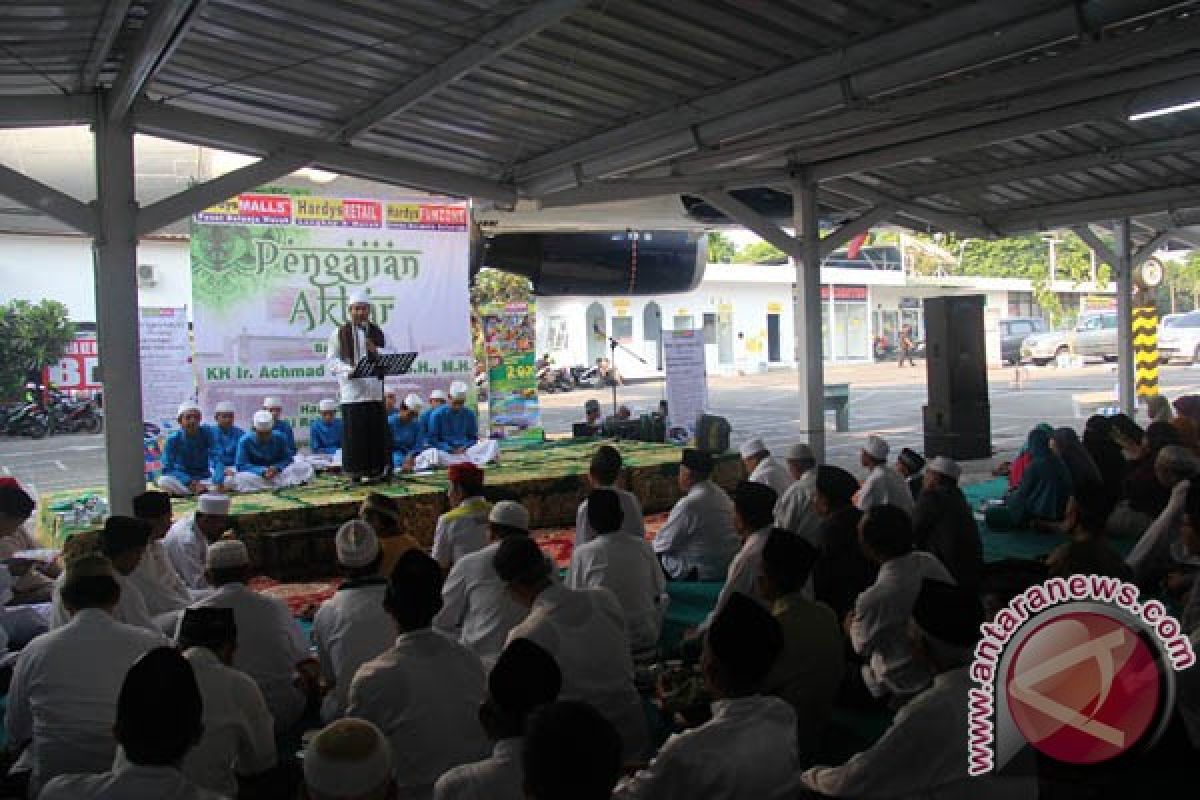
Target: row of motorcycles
{"x": 564, "y": 379}
{"x": 59, "y": 413}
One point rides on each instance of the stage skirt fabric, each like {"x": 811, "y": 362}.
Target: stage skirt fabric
{"x": 366, "y": 439}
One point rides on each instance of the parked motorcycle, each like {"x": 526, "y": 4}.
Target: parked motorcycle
{"x": 554, "y": 379}
{"x": 74, "y": 415}
{"x": 25, "y": 419}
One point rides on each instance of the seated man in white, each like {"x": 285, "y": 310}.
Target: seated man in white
{"x": 525, "y": 678}
{"x": 697, "y": 542}
{"x": 424, "y": 692}
{"x": 584, "y": 629}
{"x": 187, "y": 542}
{"x": 747, "y": 751}
{"x": 462, "y": 529}
{"x": 162, "y": 588}
{"x": 63, "y": 697}
{"x": 122, "y": 541}
{"x": 453, "y": 435}
{"x": 626, "y": 566}
{"x": 883, "y": 485}
{"x": 264, "y": 460}
{"x": 158, "y": 720}
{"x": 188, "y": 455}
{"x": 476, "y": 607}
{"x": 762, "y": 467}
{"x": 352, "y": 627}
{"x": 272, "y": 649}
{"x": 349, "y": 759}
{"x": 603, "y": 472}
{"x": 794, "y": 511}
{"x": 878, "y": 626}
{"x": 238, "y": 744}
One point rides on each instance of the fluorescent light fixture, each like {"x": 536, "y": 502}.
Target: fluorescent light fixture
{"x": 1162, "y": 112}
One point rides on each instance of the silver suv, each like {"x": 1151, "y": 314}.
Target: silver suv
{"x": 1095, "y": 335}
{"x": 1179, "y": 337}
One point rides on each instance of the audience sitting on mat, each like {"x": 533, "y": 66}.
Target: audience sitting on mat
{"x": 762, "y": 467}
{"x": 1041, "y": 495}
{"x": 1088, "y": 551}
{"x": 841, "y": 571}
{"x": 463, "y": 529}
{"x": 909, "y": 464}
{"x": 1106, "y": 453}
{"x": 697, "y": 541}
{"x": 1159, "y": 552}
{"x": 33, "y": 581}
{"x": 383, "y": 515}
{"x": 794, "y": 511}
{"x": 944, "y": 525}
{"x": 349, "y": 759}
{"x": 603, "y": 472}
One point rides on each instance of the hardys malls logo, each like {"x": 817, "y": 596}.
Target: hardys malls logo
{"x": 1078, "y": 667}
{"x": 333, "y": 272}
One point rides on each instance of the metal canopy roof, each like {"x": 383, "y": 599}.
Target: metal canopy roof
{"x": 983, "y": 117}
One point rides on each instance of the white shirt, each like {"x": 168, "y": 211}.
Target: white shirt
{"x": 698, "y": 533}
{"x": 879, "y": 632}
{"x": 351, "y": 390}
{"x": 239, "y": 733}
{"x": 626, "y": 566}
{"x": 496, "y": 778}
{"x": 794, "y": 511}
{"x": 269, "y": 644}
{"x": 774, "y": 473}
{"x": 349, "y": 630}
{"x": 130, "y": 782}
{"x": 747, "y": 751}
{"x": 461, "y": 531}
{"x": 477, "y": 608}
{"x": 632, "y": 521}
{"x": 922, "y": 755}
{"x": 424, "y": 694}
{"x": 131, "y": 608}
{"x": 186, "y": 548}
{"x": 885, "y": 486}
{"x": 160, "y": 585}
{"x": 64, "y": 691}
{"x": 743, "y": 574}
{"x": 584, "y": 629}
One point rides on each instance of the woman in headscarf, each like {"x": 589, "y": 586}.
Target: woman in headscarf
{"x": 1043, "y": 492}
{"x": 1017, "y": 468}
{"x": 1158, "y": 409}
{"x": 1142, "y": 488}
{"x": 1084, "y": 472}
{"x": 1105, "y": 453}
{"x": 1188, "y": 406}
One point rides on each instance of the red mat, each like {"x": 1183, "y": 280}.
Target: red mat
{"x": 559, "y": 543}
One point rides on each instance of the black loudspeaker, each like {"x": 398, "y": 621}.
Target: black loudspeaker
{"x": 958, "y": 417}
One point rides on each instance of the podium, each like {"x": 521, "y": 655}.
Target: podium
{"x": 375, "y": 429}
{"x": 383, "y": 365}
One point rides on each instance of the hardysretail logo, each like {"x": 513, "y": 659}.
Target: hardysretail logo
{"x": 1089, "y": 678}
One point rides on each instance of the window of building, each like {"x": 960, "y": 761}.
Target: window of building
{"x": 710, "y": 328}
{"x": 683, "y": 323}
{"x": 622, "y": 329}
{"x": 556, "y": 333}
{"x": 1022, "y": 304}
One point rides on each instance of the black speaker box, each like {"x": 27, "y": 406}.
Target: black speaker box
{"x": 961, "y": 432}
{"x": 955, "y": 350}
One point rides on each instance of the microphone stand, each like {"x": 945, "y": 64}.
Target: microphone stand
{"x": 613, "y": 346}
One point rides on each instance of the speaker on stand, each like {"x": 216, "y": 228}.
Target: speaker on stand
{"x": 958, "y": 417}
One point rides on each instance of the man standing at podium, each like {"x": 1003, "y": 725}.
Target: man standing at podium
{"x": 366, "y": 439}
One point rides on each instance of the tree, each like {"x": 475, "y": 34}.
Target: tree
{"x": 498, "y": 286}
{"x": 31, "y": 336}
{"x": 721, "y": 249}
{"x": 761, "y": 252}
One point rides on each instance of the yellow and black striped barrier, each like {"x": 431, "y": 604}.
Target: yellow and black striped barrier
{"x": 1145, "y": 350}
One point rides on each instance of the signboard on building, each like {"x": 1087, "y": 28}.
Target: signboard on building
{"x": 845, "y": 293}
{"x": 76, "y": 370}
{"x": 687, "y": 381}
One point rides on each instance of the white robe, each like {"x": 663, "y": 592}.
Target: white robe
{"x": 698, "y": 534}
{"x": 885, "y": 486}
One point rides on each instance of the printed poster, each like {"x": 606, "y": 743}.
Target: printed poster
{"x": 687, "y": 381}
{"x": 272, "y": 276}
{"x": 510, "y": 346}
{"x": 166, "y": 360}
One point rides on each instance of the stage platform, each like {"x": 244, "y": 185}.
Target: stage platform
{"x": 290, "y": 531}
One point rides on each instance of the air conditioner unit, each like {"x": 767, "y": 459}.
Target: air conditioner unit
{"x": 147, "y": 276}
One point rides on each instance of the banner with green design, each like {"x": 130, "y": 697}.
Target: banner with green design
{"x": 272, "y": 277}
{"x": 509, "y": 344}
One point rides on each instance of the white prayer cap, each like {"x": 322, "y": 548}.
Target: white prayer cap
{"x": 359, "y": 298}
{"x": 186, "y": 406}
{"x": 347, "y": 758}
{"x": 327, "y": 405}
{"x": 272, "y": 402}
{"x": 506, "y": 512}
{"x": 224, "y": 407}
{"x": 263, "y": 421}
{"x": 413, "y": 402}
{"x": 800, "y": 452}
{"x": 458, "y": 390}
{"x": 356, "y": 542}
{"x": 752, "y": 448}
{"x": 225, "y": 554}
{"x": 213, "y": 503}
{"x": 437, "y": 394}
{"x": 945, "y": 466}
{"x": 876, "y": 447}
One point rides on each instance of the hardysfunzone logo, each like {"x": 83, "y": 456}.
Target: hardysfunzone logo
{"x": 1079, "y": 668}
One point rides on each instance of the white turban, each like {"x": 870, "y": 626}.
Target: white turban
{"x": 186, "y": 406}
{"x": 413, "y": 402}
{"x": 224, "y": 407}
{"x": 458, "y": 390}
{"x": 348, "y": 758}
{"x": 359, "y": 298}
{"x": 327, "y": 405}
{"x": 263, "y": 421}
{"x": 272, "y": 402}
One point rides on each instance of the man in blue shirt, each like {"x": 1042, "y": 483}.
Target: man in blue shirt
{"x": 454, "y": 434}
{"x": 263, "y": 460}
{"x": 325, "y": 433}
{"x": 225, "y": 436}
{"x": 187, "y": 455}
{"x": 282, "y": 426}
{"x": 408, "y": 438}
{"x": 437, "y": 399}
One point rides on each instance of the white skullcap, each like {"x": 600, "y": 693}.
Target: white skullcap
{"x": 226, "y": 554}
{"x": 359, "y": 298}
{"x": 263, "y": 421}
{"x": 437, "y": 394}
{"x": 356, "y": 542}
{"x": 506, "y": 512}
{"x": 458, "y": 390}
{"x": 348, "y": 758}
{"x": 413, "y": 402}
{"x": 876, "y": 447}
{"x": 186, "y": 406}
{"x": 800, "y": 452}
{"x": 327, "y": 405}
{"x": 224, "y": 407}
{"x": 945, "y": 466}
{"x": 272, "y": 402}
{"x": 213, "y": 503}
{"x": 752, "y": 448}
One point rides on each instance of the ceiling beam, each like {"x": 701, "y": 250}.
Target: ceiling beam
{"x": 1098, "y": 246}
{"x": 1151, "y": 247}
{"x": 607, "y": 191}
{"x": 199, "y": 197}
{"x": 961, "y": 223}
{"x": 102, "y": 43}
{"x": 491, "y": 45}
{"x": 210, "y": 131}
{"x": 744, "y": 215}
{"x": 854, "y": 227}
{"x": 1191, "y": 237}
{"x": 160, "y": 35}
{"x": 1074, "y": 212}
{"x": 46, "y": 110}
{"x": 49, "y": 201}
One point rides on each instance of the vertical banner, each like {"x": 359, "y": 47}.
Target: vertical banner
{"x": 509, "y": 345}
{"x": 272, "y": 276}
{"x": 687, "y": 381}
{"x": 166, "y": 359}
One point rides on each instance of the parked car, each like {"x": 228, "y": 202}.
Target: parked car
{"x": 1094, "y": 335}
{"x": 1179, "y": 337}
{"x": 1042, "y": 348}
{"x": 1013, "y": 332}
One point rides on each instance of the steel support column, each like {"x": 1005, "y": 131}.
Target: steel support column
{"x": 115, "y": 264}
{"x": 810, "y": 367}
{"x": 1123, "y": 250}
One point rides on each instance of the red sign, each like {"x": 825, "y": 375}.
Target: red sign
{"x": 851, "y": 293}
{"x": 455, "y": 216}
{"x": 369, "y": 212}
{"x": 76, "y": 370}
{"x": 273, "y": 207}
